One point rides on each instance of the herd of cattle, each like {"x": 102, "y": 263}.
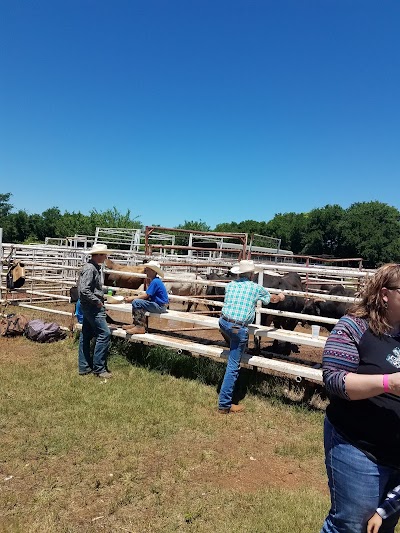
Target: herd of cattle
{"x": 315, "y": 305}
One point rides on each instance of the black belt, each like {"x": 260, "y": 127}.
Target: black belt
{"x": 238, "y": 322}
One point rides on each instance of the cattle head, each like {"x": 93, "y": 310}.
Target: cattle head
{"x": 312, "y": 306}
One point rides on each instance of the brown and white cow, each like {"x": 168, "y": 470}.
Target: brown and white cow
{"x": 176, "y": 286}
{"x": 123, "y": 281}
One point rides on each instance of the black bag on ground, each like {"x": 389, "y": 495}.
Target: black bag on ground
{"x": 40, "y": 331}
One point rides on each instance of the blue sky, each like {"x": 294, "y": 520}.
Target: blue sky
{"x": 213, "y": 110}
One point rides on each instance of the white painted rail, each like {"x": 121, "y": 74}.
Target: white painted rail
{"x": 216, "y": 352}
{"x": 212, "y": 323}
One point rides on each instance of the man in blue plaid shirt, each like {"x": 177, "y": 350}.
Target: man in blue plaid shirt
{"x": 241, "y": 297}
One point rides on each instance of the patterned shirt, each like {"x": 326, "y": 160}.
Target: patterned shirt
{"x": 241, "y": 297}
{"x": 341, "y": 354}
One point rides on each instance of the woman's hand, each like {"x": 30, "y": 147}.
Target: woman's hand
{"x": 374, "y": 524}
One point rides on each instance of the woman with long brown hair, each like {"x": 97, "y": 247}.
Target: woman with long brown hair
{"x": 361, "y": 368}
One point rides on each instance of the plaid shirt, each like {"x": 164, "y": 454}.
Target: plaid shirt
{"x": 241, "y": 297}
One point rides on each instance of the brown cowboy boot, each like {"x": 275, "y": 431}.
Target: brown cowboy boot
{"x": 233, "y": 409}
{"x": 139, "y": 323}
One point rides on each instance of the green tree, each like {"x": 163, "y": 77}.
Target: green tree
{"x": 17, "y": 227}
{"x": 5, "y": 219}
{"x": 36, "y": 227}
{"x": 251, "y": 226}
{"x": 290, "y": 228}
{"x": 371, "y": 230}
{"x": 51, "y": 218}
{"x": 195, "y": 225}
{"x": 71, "y": 224}
{"x": 5, "y": 206}
{"x": 112, "y": 218}
{"x": 322, "y": 235}
{"x": 228, "y": 227}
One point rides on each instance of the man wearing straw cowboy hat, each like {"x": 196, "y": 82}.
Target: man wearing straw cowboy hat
{"x": 91, "y": 296}
{"x": 241, "y": 297}
{"x": 154, "y": 300}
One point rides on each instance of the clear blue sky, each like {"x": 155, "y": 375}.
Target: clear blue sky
{"x": 219, "y": 110}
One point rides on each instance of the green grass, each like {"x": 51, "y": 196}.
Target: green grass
{"x": 146, "y": 451}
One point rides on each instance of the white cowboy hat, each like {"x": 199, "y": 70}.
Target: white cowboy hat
{"x": 245, "y": 266}
{"x": 155, "y": 265}
{"x": 99, "y": 249}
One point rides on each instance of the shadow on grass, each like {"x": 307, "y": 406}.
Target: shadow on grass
{"x": 185, "y": 365}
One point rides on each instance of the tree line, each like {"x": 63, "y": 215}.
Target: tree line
{"x": 370, "y": 230}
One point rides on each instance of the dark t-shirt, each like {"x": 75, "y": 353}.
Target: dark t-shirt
{"x": 372, "y": 425}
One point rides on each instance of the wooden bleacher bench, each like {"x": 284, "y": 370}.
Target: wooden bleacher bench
{"x": 216, "y": 352}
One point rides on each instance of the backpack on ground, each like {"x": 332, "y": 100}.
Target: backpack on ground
{"x": 13, "y": 325}
{"x": 40, "y": 331}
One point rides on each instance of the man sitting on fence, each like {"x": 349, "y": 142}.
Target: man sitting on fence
{"x": 241, "y": 297}
{"x": 154, "y": 300}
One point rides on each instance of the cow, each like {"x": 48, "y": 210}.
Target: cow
{"x": 328, "y": 308}
{"x": 123, "y": 281}
{"x": 217, "y": 291}
{"x": 293, "y": 304}
{"x": 184, "y": 288}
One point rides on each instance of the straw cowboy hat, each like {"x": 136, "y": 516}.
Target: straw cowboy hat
{"x": 154, "y": 265}
{"x": 98, "y": 249}
{"x": 245, "y": 266}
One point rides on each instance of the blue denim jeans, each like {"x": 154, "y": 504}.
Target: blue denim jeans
{"x": 148, "y": 306}
{"x": 357, "y": 486}
{"x": 94, "y": 325}
{"x": 238, "y": 337}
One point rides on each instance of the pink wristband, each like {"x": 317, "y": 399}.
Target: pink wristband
{"x": 385, "y": 382}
